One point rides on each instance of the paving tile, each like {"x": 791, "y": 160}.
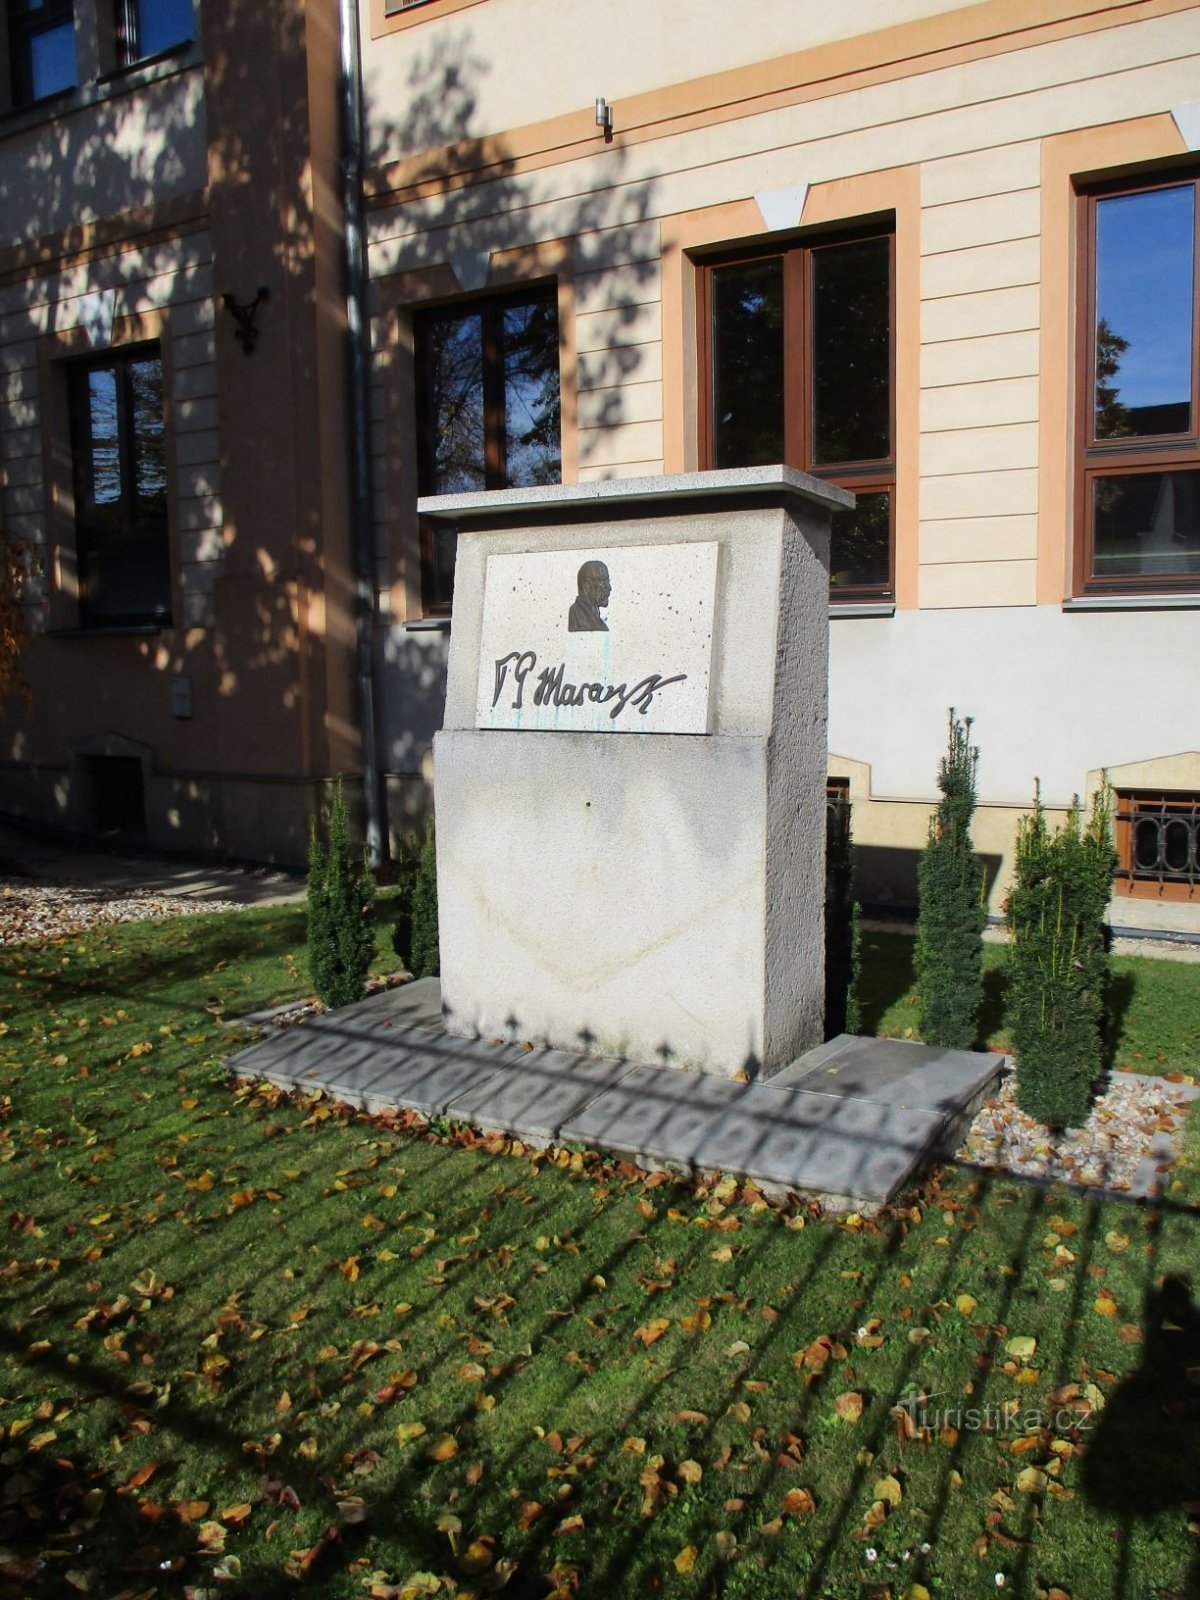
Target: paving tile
{"x": 898, "y": 1071}
{"x": 795, "y": 1138}
{"x": 537, "y": 1092}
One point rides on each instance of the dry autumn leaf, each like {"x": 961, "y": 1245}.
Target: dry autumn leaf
{"x": 686, "y": 1559}
{"x": 652, "y": 1330}
{"x": 889, "y": 1490}
{"x": 798, "y": 1503}
{"x": 849, "y": 1406}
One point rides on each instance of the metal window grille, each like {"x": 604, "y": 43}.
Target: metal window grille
{"x": 1161, "y": 836}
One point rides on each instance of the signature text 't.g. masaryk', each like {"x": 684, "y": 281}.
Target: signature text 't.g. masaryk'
{"x": 552, "y": 689}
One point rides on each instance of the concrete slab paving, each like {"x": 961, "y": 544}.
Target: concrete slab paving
{"x": 851, "y": 1121}
{"x": 538, "y": 1093}
{"x": 782, "y": 1136}
{"x": 899, "y": 1072}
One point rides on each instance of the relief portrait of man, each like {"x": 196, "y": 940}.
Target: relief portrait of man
{"x": 594, "y": 591}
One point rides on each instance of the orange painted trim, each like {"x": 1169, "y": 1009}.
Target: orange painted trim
{"x": 1085, "y": 154}
{"x": 86, "y": 242}
{"x": 381, "y": 24}
{"x": 996, "y": 27}
{"x": 393, "y": 355}
{"x": 842, "y": 200}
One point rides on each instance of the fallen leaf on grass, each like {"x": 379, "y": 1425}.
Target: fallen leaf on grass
{"x": 798, "y": 1502}
{"x": 138, "y": 1478}
{"x": 443, "y": 1448}
{"x": 686, "y": 1559}
{"x": 889, "y": 1490}
{"x": 652, "y": 1330}
{"x": 849, "y": 1406}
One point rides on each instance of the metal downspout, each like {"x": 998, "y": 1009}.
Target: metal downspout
{"x": 357, "y": 335}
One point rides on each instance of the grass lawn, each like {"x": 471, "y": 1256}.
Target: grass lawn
{"x": 257, "y": 1348}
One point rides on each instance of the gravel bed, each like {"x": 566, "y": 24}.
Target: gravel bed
{"x": 33, "y": 911}
{"x": 1136, "y": 1118}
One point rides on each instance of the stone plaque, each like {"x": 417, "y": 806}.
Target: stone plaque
{"x": 607, "y": 640}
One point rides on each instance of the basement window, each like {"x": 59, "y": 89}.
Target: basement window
{"x": 1158, "y": 844}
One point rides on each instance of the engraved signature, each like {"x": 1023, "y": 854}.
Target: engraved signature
{"x": 551, "y": 687}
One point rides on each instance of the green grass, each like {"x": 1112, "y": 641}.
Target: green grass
{"x": 265, "y": 1302}
{"x": 1155, "y": 1004}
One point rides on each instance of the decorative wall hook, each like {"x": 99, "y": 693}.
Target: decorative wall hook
{"x": 246, "y": 333}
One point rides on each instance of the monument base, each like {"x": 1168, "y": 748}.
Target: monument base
{"x": 624, "y": 905}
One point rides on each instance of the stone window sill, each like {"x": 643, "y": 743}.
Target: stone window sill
{"x": 1132, "y": 602}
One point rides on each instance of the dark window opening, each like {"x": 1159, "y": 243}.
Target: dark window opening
{"x": 1158, "y": 844}
{"x": 118, "y": 438}
{"x": 118, "y": 794}
{"x": 41, "y": 49}
{"x": 1138, "y": 484}
{"x": 800, "y": 358}
{"x": 488, "y": 407}
{"x": 148, "y": 28}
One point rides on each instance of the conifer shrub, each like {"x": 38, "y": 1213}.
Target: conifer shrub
{"x": 341, "y": 893}
{"x": 841, "y": 923}
{"x": 1059, "y": 969}
{"x": 415, "y": 936}
{"x": 949, "y": 950}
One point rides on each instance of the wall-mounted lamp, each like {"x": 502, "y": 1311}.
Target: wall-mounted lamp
{"x": 244, "y": 315}
{"x": 604, "y": 117}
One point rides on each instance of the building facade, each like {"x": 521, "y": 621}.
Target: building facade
{"x": 185, "y": 502}
{"x": 942, "y": 255}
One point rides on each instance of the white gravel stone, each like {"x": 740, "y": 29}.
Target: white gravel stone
{"x": 30, "y": 911}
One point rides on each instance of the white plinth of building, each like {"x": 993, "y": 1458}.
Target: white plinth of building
{"x": 659, "y": 897}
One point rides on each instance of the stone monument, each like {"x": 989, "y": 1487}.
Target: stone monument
{"x": 630, "y": 779}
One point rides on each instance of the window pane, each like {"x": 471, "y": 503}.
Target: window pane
{"x": 1144, "y": 313}
{"x": 162, "y": 24}
{"x": 149, "y": 442}
{"x": 860, "y": 543}
{"x": 125, "y": 579}
{"x": 454, "y": 416}
{"x": 1147, "y": 523}
{"x": 851, "y": 352}
{"x": 748, "y": 364}
{"x": 51, "y": 61}
{"x": 104, "y": 450}
{"x": 532, "y": 428}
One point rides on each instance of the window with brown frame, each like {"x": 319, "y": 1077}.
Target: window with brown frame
{"x": 488, "y": 410}
{"x": 1138, "y": 423}
{"x": 797, "y": 347}
{"x": 1158, "y": 844}
{"x": 118, "y": 445}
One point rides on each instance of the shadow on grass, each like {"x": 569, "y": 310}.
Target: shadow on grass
{"x": 886, "y": 975}
{"x": 1145, "y": 1457}
{"x": 1119, "y": 999}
